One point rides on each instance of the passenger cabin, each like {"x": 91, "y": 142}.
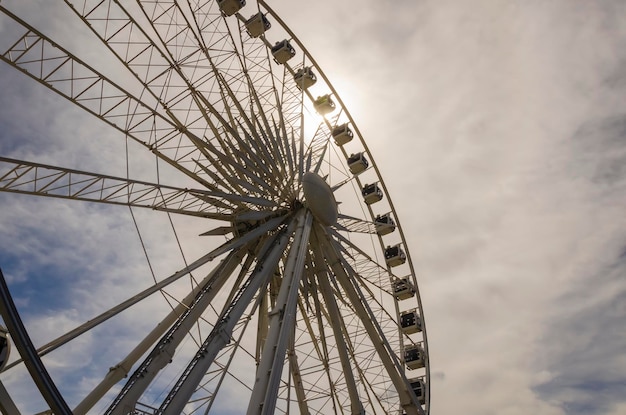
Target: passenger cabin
{"x": 257, "y": 24}
{"x": 414, "y": 357}
{"x": 230, "y": 7}
{"x": 403, "y": 288}
{"x": 283, "y": 51}
{"x": 394, "y": 255}
{"x": 5, "y": 347}
{"x": 410, "y": 322}
{"x": 357, "y": 163}
{"x": 324, "y": 105}
{"x": 384, "y": 224}
{"x": 419, "y": 388}
{"x": 305, "y": 78}
{"x": 372, "y": 193}
{"x": 342, "y": 134}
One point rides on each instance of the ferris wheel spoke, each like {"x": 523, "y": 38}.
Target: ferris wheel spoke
{"x": 244, "y": 159}
{"x": 212, "y": 197}
{"x": 170, "y": 87}
{"x": 173, "y": 13}
{"x": 281, "y": 318}
{"x": 267, "y": 159}
{"x": 275, "y": 155}
{"x": 256, "y": 168}
{"x": 317, "y": 374}
{"x": 226, "y": 174}
{"x": 127, "y": 39}
{"x": 356, "y": 407}
{"x": 25, "y": 177}
{"x": 220, "y": 179}
{"x": 220, "y": 335}
{"x": 164, "y": 350}
{"x": 371, "y": 395}
{"x": 120, "y": 307}
{"x": 294, "y": 369}
{"x": 282, "y": 138}
{"x": 230, "y": 65}
{"x": 247, "y": 237}
{"x": 228, "y": 161}
{"x": 267, "y": 102}
{"x": 184, "y": 52}
{"x": 339, "y": 243}
{"x": 23, "y": 343}
{"x": 292, "y": 110}
{"x": 353, "y": 224}
{"x": 344, "y": 345}
{"x": 189, "y": 308}
{"x": 281, "y": 129}
{"x": 222, "y": 372}
{"x": 317, "y": 148}
{"x": 45, "y": 61}
{"x": 254, "y": 151}
{"x": 368, "y": 319}
{"x": 259, "y": 75}
{"x": 371, "y": 276}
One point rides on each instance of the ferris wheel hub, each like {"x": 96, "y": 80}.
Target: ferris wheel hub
{"x": 320, "y": 198}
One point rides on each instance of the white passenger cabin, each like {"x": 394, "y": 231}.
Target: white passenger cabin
{"x": 394, "y": 255}
{"x": 357, "y": 163}
{"x": 324, "y": 105}
{"x": 372, "y": 193}
{"x": 257, "y": 24}
{"x": 230, "y": 7}
{"x": 403, "y": 288}
{"x": 305, "y": 77}
{"x": 410, "y": 321}
{"x": 414, "y": 357}
{"x": 419, "y": 388}
{"x": 384, "y": 224}
{"x": 283, "y": 51}
{"x": 342, "y": 134}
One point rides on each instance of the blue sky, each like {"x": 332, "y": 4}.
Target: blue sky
{"x": 500, "y": 130}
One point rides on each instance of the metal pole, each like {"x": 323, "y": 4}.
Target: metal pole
{"x": 282, "y": 318}
{"x": 164, "y": 350}
{"x": 221, "y": 334}
{"x": 356, "y": 406}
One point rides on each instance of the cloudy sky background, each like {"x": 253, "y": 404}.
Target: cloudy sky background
{"x": 499, "y": 127}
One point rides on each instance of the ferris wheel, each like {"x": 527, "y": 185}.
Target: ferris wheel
{"x": 303, "y": 297}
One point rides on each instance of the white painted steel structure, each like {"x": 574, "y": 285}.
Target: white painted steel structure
{"x": 298, "y": 311}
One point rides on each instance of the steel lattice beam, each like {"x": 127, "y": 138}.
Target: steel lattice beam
{"x": 43, "y": 180}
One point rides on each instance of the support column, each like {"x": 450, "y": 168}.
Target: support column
{"x": 282, "y": 319}
{"x": 186, "y": 385}
{"x": 184, "y": 316}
